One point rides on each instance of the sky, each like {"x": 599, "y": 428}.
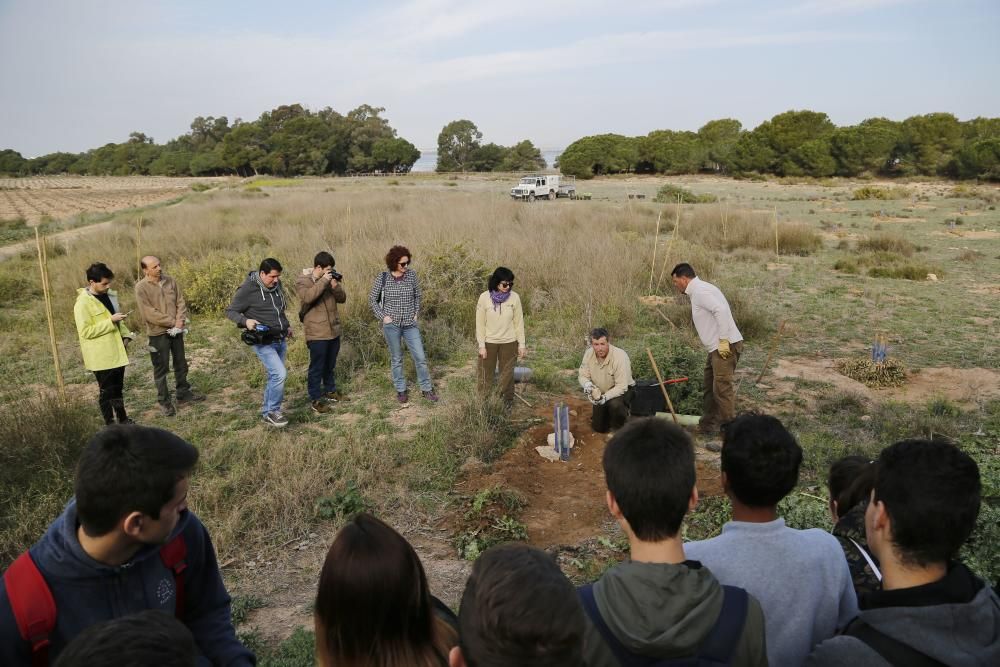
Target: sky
{"x": 77, "y": 74}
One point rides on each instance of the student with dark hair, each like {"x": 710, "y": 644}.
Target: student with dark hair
{"x": 605, "y": 376}
{"x": 151, "y": 637}
{"x": 660, "y": 604}
{"x": 126, "y": 543}
{"x": 499, "y": 332}
{"x": 713, "y": 320}
{"x": 320, "y": 290}
{"x": 931, "y": 610}
{"x": 100, "y": 326}
{"x": 799, "y": 576}
{"x": 395, "y": 300}
{"x": 259, "y": 305}
{"x": 373, "y": 607}
{"x": 518, "y": 610}
{"x": 850, "y": 482}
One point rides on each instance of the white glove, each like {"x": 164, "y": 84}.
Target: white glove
{"x": 588, "y": 387}
{"x": 601, "y": 401}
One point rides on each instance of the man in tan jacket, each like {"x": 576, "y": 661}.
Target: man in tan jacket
{"x": 164, "y": 313}
{"x": 319, "y": 291}
{"x": 606, "y": 378}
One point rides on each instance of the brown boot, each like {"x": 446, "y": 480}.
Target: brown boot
{"x": 321, "y": 407}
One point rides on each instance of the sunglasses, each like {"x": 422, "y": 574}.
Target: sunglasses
{"x": 507, "y": 283}
{"x": 404, "y": 263}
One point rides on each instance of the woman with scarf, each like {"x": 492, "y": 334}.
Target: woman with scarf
{"x": 499, "y": 333}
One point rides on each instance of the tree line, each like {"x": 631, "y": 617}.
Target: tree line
{"x": 287, "y": 141}
{"x": 459, "y": 149}
{"x": 801, "y": 143}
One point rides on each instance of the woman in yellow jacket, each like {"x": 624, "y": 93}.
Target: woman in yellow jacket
{"x": 499, "y": 332}
{"x": 103, "y": 336}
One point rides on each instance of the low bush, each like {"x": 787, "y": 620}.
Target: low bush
{"x": 490, "y": 518}
{"x": 674, "y": 359}
{"x": 18, "y": 288}
{"x": 875, "y": 192}
{"x": 210, "y": 281}
{"x": 671, "y": 194}
{"x": 200, "y": 187}
{"x": 887, "y": 243}
{"x": 905, "y": 271}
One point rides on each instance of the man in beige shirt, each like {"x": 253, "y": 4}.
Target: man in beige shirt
{"x": 606, "y": 378}
{"x": 164, "y": 313}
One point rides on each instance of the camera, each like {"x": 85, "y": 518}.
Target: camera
{"x": 335, "y": 275}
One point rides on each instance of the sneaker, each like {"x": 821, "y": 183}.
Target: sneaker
{"x": 335, "y": 396}
{"x": 190, "y": 397}
{"x": 430, "y": 396}
{"x": 167, "y": 409}
{"x": 403, "y": 397}
{"x": 320, "y": 406}
{"x": 275, "y": 419}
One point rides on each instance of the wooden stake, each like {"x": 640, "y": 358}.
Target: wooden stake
{"x": 44, "y": 273}
{"x": 663, "y": 388}
{"x": 670, "y": 246}
{"x": 138, "y": 251}
{"x": 776, "y": 252}
{"x": 660, "y": 313}
{"x": 774, "y": 345}
{"x": 656, "y": 241}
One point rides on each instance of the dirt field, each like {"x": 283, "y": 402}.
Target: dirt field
{"x": 60, "y": 197}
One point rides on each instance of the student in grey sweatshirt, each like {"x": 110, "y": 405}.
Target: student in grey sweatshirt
{"x": 800, "y": 576}
{"x": 931, "y": 610}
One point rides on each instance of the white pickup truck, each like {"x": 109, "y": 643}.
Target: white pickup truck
{"x": 544, "y": 186}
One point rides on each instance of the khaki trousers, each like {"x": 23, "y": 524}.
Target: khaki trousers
{"x": 719, "y": 395}
{"x": 504, "y": 354}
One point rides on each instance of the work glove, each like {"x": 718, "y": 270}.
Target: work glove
{"x": 724, "y": 350}
{"x": 601, "y": 401}
{"x": 588, "y": 387}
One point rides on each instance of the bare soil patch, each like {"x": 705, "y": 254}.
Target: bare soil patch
{"x": 565, "y": 500}
{"x": 981, "y": 234}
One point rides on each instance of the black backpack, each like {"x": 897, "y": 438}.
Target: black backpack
{"x": 717, "y": 649}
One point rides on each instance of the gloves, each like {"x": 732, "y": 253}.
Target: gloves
{"x": 588, "y": 387}
{"x": 601, "y": 401}
{"x": 175, "y": 331}
{"x": 724, "y": 351}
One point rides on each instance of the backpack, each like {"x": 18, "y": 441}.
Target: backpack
{"x": 35, "y": 609}
{"x": 717, "y": 648}
{"x": 891, "y": 650}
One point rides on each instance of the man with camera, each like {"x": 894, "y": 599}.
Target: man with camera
{"x": 319, "y": 292}
{"x": 259, "y": 307}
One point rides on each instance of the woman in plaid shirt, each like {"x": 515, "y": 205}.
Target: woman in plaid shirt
{"x": 395, "y": 299}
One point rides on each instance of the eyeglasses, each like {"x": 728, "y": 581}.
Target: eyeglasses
{"x": 404, "y": 263}
{"x": 507, "y": 283}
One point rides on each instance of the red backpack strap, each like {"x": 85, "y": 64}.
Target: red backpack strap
{"x": 33, "y": 606}
{"x": 174, "y": 557}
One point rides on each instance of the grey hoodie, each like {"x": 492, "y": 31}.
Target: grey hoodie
{"x": 253, "y": 301}
{"x": 955, "y": 621}
{"x": 666, "y": 611}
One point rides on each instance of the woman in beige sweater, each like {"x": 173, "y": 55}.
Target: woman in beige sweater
{"x": 499, "y": 332}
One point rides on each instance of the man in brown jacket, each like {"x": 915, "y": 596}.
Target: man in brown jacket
{"x": 319, "y": 291}
{"x": 164, "y": 314}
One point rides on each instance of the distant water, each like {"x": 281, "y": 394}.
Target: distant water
{"x": 429, "y": 159}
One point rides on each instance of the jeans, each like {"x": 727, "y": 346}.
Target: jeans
{"x": 161, "y": 349}
{"x": 394, "y": 336}
{"x": 110, "y": 399}
{"x": 272, "y": 356}
{"x": 322, "y": 363}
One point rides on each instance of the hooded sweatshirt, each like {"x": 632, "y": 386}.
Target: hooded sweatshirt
{"x": 88, "y": 592}
{"x": 666, "y": 611}
{"x": 253, "y": 301}
{"x": 955, "y": 620}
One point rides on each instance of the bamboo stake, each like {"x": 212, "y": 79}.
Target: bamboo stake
{"x": 776, "y": 252}
{"x": 44, "y": 274}
{"x": 770, "y": 353}
{"x": 138, "y": 251}
{"x": 670, "y": 246}
{"x": 656, "y": 241}
{"x": 663, "y": 387}
{"x": 660, "y": 313}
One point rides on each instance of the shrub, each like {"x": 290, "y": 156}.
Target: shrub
{"x": 874, "y": 192}
{"x": 669, "y": 194}
{"x": 452, "y": 278}
{"x": 890, "y": 373}
{"x": 674, "y": 359}
{"x": 200, "y": 187}
{"x": 970, "y": 255}
{"x": 887, "y": 243}
{"x": 210, "y": 281}
{"x": 490, "y": 519}
{"x": 846, "y": 266}
{"x": 42, "y": 440}
{"x": 17, "y": 288}
{"x": 904, "y": 271}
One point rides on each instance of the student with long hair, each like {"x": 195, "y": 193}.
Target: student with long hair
{"x": 850, "y": 481}
{"x": 373, "y": 607}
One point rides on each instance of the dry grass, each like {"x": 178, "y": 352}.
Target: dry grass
{"x": 887, "y": 243}
{"x": 729, "y": 230}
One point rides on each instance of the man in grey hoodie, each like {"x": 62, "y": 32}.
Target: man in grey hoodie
{"x": 658, "y": 604}
{"x": 931, "y": 610}
{"x": 259, "y": 305}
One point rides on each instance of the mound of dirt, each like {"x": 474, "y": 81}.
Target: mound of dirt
{"x": 565, "y": 500}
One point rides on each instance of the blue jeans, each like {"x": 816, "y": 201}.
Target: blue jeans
{"x": 273, "y": 358}
{"x": 322, "y": 362}
{"x": 394, "y": 336}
